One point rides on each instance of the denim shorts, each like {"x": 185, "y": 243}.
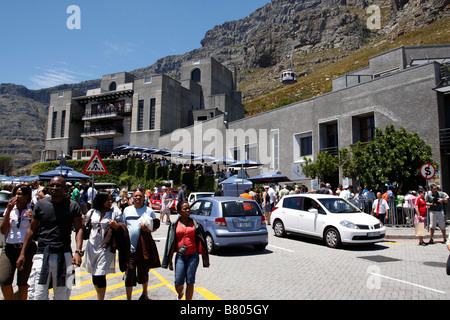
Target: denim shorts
{"x": 185, "y": 268}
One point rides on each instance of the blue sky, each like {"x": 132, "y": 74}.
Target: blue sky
{"x": 38, "y": 50}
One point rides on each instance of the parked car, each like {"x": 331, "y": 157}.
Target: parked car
{"x": 331, "y": 218}
{"x": 156, "y": 198}
{"x": 5, "y": 196}
{"x": 194, "y": 196}
{"x": 231, "y": 221}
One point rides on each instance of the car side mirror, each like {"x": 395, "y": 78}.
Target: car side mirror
{"x": 315, "y": 211}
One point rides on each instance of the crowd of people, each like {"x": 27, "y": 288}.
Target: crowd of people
{"x": 39, "y": 241}
{"x": 38, "y": 226}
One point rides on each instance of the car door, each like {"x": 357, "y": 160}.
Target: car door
{"x": 291, "y": 213}
{"x": 312, "y": 217}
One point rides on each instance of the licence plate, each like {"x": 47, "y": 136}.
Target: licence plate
{"x": 243, "y": 224}
{"x": 373, "y": 234}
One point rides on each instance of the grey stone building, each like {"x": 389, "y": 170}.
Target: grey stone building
{"x": 126, "y": 110}
{"x": 406, "y": 86}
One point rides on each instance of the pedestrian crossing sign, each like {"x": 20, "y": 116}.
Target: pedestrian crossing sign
{"x": 95, "y": 165}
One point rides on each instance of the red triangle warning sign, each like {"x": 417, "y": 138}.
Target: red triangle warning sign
{"x": 95, "y": 165}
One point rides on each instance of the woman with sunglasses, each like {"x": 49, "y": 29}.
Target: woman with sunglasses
{"x": 100, "y": 261}
{"x": 16, "y": 221}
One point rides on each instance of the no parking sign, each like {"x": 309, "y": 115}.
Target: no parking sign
{"x": 427, "y": 171}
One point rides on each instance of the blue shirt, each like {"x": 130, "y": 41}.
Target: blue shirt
{"x": 131, "y": 216}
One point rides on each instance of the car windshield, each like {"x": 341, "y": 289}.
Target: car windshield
{"x": 240, "y": 208}
{"x": 338, "y": 205}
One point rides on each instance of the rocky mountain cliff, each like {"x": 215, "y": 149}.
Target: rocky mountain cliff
{"x": 260, "y": 41}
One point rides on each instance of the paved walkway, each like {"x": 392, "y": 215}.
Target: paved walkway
{"x": 408, "y": 233}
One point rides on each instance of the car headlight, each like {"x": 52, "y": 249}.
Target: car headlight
{"x": 349, "y": 224}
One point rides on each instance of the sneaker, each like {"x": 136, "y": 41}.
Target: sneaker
{"x": 143, "y": 297}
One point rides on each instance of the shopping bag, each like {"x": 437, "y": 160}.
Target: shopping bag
{"x": 420, "y": 229}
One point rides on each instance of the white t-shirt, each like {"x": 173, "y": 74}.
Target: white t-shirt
{"x": 131, "y": 216}
{"x": 17, "y": 235}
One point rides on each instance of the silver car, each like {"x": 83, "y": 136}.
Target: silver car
{"x": 231, "y": 221}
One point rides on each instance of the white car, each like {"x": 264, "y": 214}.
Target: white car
{"x": 194, "y": 196}
{"x": 331, "y": 218}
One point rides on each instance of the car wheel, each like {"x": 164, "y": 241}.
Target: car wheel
{"x": 210, "y": 244}
{"x": 332, "y": 238}
{"x": 278, "y": 228}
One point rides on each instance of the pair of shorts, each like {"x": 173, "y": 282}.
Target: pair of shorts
{"x": 132, "y": 277}
{"x": 437, "y": 218}
{"x": 186, "y": 268}
{"x": 12, "y": 251}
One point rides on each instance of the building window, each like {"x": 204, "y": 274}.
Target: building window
{"x": 113, "y": 86}
{"x": 63, "y": 122}
{"x": 235, "y": 153}
{"x": 54, "y": 119}
{"x": 152, "y": 113}
{"x": 303, "y": 146}
{"x": 251, "y": 152}
{"x": 196, "y": 75}
{"x": 275, "y": 160}
{"x": 367, "y": 128}
{"x": 148, "y": 80}
{"x": 140, "y": 115}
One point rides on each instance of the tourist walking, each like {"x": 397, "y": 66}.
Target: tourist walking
{"x": 140, "y": 234}
{"x": 100, "y": 261}
{"x": 53, "y": 220}
{"x": 16, "y": 220}
{"x": 186, "y": 239}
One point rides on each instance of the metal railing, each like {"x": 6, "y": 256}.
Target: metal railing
{"x": 401, "y": 212}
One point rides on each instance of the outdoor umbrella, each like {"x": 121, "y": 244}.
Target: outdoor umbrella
{"x": 122, "y": 147}
{"x": 235, "y": 185}
{"x": 269, "y": 177}
{"x": 162, "y": 151}
{"x": 245, "y": 164}
{"x": 223, "y": 160}
{"x": 139, "y": 148}
{"x": 205, "y": 157}
{"x": 66, "y": 172}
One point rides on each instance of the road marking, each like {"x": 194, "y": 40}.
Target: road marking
{"x": 271, "y": 245}
{"x": 407, "y": 282}
{"x": 207, "y": 294}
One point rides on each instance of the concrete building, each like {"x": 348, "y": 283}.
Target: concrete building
{"x": 406, "y": 86}
{"x": 126, "y": 110}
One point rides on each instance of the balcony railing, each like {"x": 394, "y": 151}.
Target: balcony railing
{"x": 102, "y": 132}
{"x": 331, "y": 150}
{"x": 108, "y": 112}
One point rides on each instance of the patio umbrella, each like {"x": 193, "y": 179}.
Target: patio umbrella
{"x": 162, "y": 151}
{"x": 245, "y": 164}
{"x": 223, "y": 160}
{"x": 121, "y": 147}
{"x": 269, "y": 177}
{"x": 139, "y": 148}
{"x": 66, "y": 172}
{"x": 205, "y": 157}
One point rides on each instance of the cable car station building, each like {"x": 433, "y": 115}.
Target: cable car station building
{"x": 407, "y": 86}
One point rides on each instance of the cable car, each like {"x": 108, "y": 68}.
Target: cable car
{"x": 289, "y": 76}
